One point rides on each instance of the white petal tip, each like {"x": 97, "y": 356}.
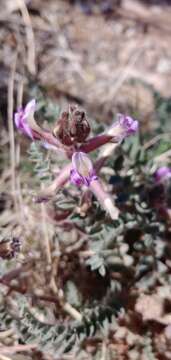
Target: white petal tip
{"x": 111, "y": 209}
{"x": 30, "y": 107}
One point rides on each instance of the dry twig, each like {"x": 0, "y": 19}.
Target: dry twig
{"x": 10, "y": 124}
{"x": 46, "y": 233}
{"x": 31, "y": 59}
{"x": 16, "y": 348}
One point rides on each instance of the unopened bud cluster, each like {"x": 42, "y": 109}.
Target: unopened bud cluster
{"x": 72, "y": 127}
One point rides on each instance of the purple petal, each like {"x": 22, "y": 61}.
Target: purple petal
{"x": 75, "y": 178}
{"x": 82, "y": 163}
{"x": 30, "y": 108}
{"x": 129, "y": 125}
{"x": 162, "y": 173}
{"x": 17, "y": 119}
{"x": 135, "y": 126}
{"x": 82, "y": 172}
{"x": 22, "y": 117}
{"x": 123, "y": 127}
{"x": 27, "y": 130}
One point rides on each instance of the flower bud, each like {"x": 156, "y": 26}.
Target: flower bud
{"x": 23, "y": 117}
{"x": 61, "y": 129}
{"x": 72, "y": 126}
{"x": 79, "y": 127}
{"x": 123, "y": 127}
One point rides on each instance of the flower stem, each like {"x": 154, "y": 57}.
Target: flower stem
{"x": 75, "y": 314}
{"x": 95, "y": 143}
{"x": 60, "y": 180}
{"x": 104, "y": 199}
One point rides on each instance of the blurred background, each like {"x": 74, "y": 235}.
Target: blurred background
{"x": 104, "y": 55}
{"x": 107, "y": 56}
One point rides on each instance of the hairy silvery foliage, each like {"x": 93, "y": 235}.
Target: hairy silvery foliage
{"x": 110, "y": 203}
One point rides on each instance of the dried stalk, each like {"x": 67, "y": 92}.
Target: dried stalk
{"x": 31, "y": 58}
{"x": 11, "y": 126}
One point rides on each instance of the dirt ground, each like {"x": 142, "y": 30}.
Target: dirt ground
{"x": 104, "y": 55}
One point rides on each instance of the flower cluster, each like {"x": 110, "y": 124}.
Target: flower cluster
{"x": 81, "y": 171}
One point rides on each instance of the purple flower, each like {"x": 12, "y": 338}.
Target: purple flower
{"x": 22, "y": 117}
{"x": 123, "y": 127}
{"x": 82, "y": 172}
{"x": 129, "y": 125}
{"x": 162, "y": 173}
